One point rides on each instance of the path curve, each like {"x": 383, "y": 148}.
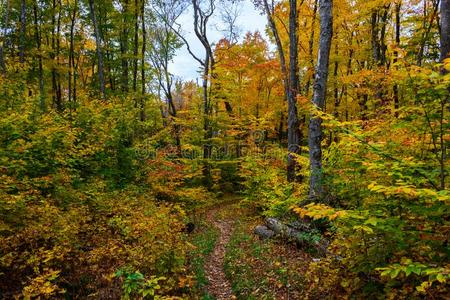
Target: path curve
{"x": 218, "y": 285}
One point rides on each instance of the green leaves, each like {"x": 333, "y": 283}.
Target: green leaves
{"x": 135, "y": 284}
{"x": 408, "y": 268}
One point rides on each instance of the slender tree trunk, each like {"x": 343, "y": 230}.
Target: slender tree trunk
{"x": 3, "y": 42}
{"x": 337, "y": 97}
{"x": 206, "y": 147}
{"x": 374, "y": 31}
{"x": 382, "y": 43}
{"x": 294, "y": 86}
{"x": 72, "y": 94}
{"x": 59, "y": 104}
{"x": 311, "y": 46}
{"x": 23, "y": 24}
{"x": 445, "y": 53}
{"x": 445, "y": 29}
{"x": 427, "y": 30}
{"x": 109, "y": 66}
{"x": 397, "y": 42}
{"x": 37, "y": 35}
{"x": 280, "y": 128}
{"x": 136, "y": 46}
{"x": 52, "y": 54}
{"x": 290, "y": 88}
{"x": 101, "y": 77}
{"x": 320, "y": 89}
{"x": 335, "y": 78}
{"x": 144, "y": 41}
{"x": 124, "y": 47}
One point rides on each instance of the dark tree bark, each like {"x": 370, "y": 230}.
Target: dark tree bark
{"x": 311, "y": 46}
{"x": 397, "y": 42}
{"x": 135, "y": 49}
{"x": 108, "y": 45}
{"x": 37, "y": 36}
{"x": 101, "y": 77}
{"x": 144, "y": 42}
{"x": 23, "y": 24}
{"x": 294, "y": 135}
{"x": 320, "y": 89}
{"x": 52, "y": 53}
{"x": 56, "y": 46}
{"x": 290, "y": 81}
{"x": 445, "y": 29}
{"x": 382, "y": 42}
{"x": 374, "y": 32}
{"x": 3, "y": 42}
{"x": 337, "y": 99}
{"x": 72, "y": 75}
{"x": 445, "y": 53}
{"x": 124, "y": 47}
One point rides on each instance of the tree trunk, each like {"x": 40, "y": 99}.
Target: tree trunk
{"x": 293, "y": 123}
{"x": 144, "y": 41}
{"x": 311, "y": 46}
{"x": 37, "y": 35}
{"x": 136, "y": 46}
{"x": 337, "y": 98}
{"x": 320, "y": 88}
{"x": 23, "y": 24}
{"x": 101, "y": 77}
{"x": 397, "y": 42}
{"x": 290, "y": 82}
{"x": 72, "y": 91}
{"x": 59, "y": 104}
{"x": 426, "y": 33}
{"x": 445, "y": 29}
{"x": 124, "y": 47}
{"x": 5, "y": 32}
{"x": 374, "y": 32}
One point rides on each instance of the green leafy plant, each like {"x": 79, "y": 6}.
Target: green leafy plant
{"x": 135, "y": 284}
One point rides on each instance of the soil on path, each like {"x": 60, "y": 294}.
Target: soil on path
{"x": 218, "y": 285}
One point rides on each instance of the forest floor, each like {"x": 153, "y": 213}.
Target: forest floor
{"x": 218, "y": 285}
{"x": 232, "y": 263}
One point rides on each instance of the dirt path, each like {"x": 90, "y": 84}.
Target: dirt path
{"x": 218, "y": 285}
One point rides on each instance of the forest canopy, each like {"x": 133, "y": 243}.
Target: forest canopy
{"x": 309, "y": 160}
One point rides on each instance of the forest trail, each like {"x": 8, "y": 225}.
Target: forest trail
{"x": 218, "y": 285}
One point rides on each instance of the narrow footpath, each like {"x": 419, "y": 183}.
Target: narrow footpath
{"x": 218, "y": 285}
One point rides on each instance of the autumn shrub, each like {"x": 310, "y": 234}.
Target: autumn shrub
{"x": 76, "y": 207}
{"x": 265, "y": 186}
{"x": 390, "y": 210}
